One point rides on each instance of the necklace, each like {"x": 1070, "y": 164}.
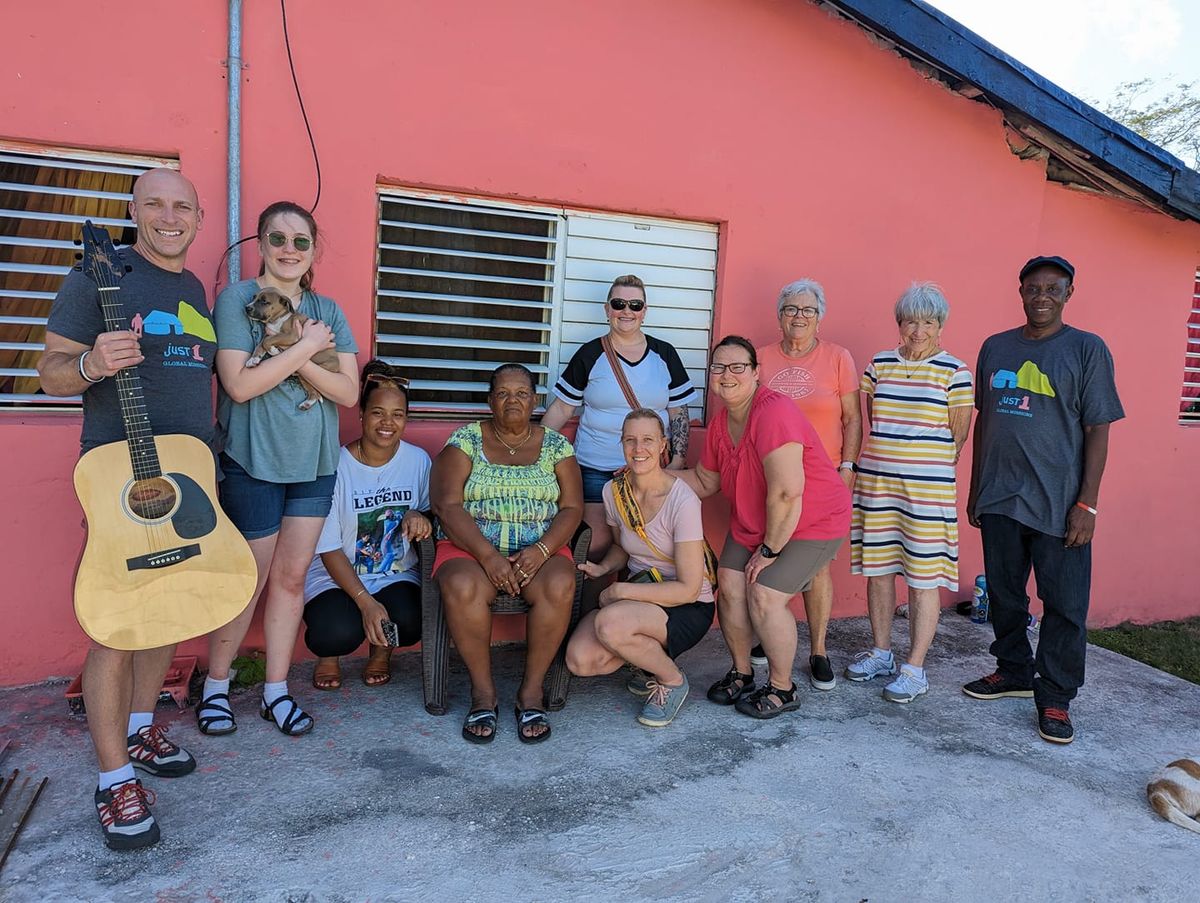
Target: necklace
{"x": 512, "y": 449}
{"x": 904, "y": 361}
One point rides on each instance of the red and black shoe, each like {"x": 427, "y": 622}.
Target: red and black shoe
{"x": 997, "y": 686}
{"x": 125, "y": 816}
{"x": 1055, "y": 725}
{"x": 153, "y": 753}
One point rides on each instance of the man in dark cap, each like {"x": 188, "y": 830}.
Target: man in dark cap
{"x": 1046, "y": 396}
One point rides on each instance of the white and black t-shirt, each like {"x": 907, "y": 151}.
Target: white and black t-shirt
{"x": 364, "y": 523}
{"x": 658, "y": 380}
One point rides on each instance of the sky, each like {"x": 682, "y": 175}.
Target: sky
{"x": 1091, "y": 46}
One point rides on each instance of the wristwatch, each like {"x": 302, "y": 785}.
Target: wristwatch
{"x": 767, "y": 552}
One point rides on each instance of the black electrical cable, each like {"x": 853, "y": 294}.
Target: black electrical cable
{"x": 299, "y": 99}
{"x": 311, "y": 142}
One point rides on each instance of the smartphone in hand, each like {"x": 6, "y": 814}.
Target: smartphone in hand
{"x": 391, "y": 633}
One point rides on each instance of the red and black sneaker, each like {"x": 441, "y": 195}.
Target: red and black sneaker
{"x": 153, "y": 753}
{"x": 125, "y": 816}
{"x": 1055, "y": 725}
{"x": 997, "y": 686}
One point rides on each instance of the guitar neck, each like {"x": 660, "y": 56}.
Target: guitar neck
{"x": 143, "y": 454}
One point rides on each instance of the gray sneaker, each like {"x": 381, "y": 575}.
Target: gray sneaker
{"x": 639, "y": 682}
{"x": 867, "y": 665}
{"x": 663, "y": 703}
{"x": 906, "y": 687}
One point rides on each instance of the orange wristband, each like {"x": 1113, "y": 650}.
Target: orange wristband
{"x": 1088, "y": 508}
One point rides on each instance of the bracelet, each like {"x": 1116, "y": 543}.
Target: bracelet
{"x": 545, "y": 549}
{"x": 359, "y": 593}
{"x": 1088, "y": 508}
{"x": 848, "y": 465}
{"x": 83, "y": 372}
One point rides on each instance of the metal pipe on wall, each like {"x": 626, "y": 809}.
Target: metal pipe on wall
{"x": 233, "y": 177}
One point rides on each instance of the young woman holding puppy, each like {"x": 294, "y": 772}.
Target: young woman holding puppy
{"x": 279, "y": 459}
{"x": 382, "y": 492}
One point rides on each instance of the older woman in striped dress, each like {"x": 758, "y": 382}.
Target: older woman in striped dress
{"x": 905, "y": 521}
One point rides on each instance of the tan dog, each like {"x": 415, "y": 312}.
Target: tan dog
{"x": 281, "y": 329}
{"x": 1175, "y": 793}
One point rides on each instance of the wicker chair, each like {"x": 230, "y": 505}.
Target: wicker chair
{"x": 435, "y": 637}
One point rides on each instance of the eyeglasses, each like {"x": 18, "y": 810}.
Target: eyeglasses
{"x": 620, "y": 304}
{"x": 791, "y": 310}
{"x": 718, "y": 369}
{"x": 1053, "y": 292}
{"x": 299, "y": 242}
{"x": 379, "y": 379}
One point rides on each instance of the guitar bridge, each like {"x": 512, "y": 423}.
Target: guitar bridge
{"x": 162, "y": 559}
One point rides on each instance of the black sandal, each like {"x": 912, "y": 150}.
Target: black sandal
{"x": 723, "y": 692}
{"x": 759, "y": 704}
{"x": 483, "y": 718}
{"x": 295, "y": 715}
{"x": 527, "y": 718}
{"x": 224, "y": 713}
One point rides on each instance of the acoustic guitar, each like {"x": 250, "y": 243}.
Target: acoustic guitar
{"x": 162, "y": 563}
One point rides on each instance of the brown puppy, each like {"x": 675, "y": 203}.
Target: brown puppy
{"x": 1175, "y": 793}
{"x": 281, "y": 329}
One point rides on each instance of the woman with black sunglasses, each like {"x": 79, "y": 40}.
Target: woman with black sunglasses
{"x": 609, "y": 377}
{"x": 380, "y": 499}
{"x": 279, "y": 459}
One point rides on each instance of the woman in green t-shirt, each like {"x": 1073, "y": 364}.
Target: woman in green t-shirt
{"x": 279, "y": 459}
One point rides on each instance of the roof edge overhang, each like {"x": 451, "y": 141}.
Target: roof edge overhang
{"x": 1083, "y": 147}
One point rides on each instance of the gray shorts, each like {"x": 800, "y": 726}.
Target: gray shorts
{"x": 793, "y": 570}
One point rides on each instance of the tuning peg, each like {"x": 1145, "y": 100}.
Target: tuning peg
{"x": 128, "y": 268}
{"x": 78, "y": 254}
{"x": 77, "y": 241}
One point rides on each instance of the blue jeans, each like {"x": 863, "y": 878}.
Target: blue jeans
{"x": 1064, "y": 583}
{"x": 258, "y": 507}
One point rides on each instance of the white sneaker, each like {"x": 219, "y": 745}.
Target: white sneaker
{"x": 867, "y": 665}
{"x": 906, "y": 687}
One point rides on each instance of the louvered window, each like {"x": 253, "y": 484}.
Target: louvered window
{"x": 44, "y": 200}
{"x": 465, "y": 285}
{"x": 1189, "y": 401}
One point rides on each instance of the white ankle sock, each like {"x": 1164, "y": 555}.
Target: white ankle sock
{"x": 219, "y": 720}
{"x": 212, "y": 685}
{"x": 273, "y": 691}
{"x": 885, "y": 654}
{"x": 916, "y": 672}
{"x": 120, "y": 776}
{"x": 139, "y": 720}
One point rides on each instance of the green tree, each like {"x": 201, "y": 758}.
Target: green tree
{"x": 1170, "y": 118}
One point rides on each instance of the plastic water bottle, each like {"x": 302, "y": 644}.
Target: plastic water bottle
{"x": 979, "y": 604}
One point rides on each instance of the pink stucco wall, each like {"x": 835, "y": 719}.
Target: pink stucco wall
{"x": 818, "y": 153}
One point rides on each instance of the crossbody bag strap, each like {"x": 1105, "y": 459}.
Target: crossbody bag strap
{"x": 614, "y": 361}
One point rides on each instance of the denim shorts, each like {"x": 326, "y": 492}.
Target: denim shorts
{"x": 593, "y": 483}
{"x": 258, "y": 507}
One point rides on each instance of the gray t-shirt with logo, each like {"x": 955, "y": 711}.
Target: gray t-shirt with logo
{"x": 269, "y": 435}
{"x": 1034, "y": 399}
{"x": 169, "y": 314}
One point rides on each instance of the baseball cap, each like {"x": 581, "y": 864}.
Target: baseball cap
{"x": 1054, "y": 261}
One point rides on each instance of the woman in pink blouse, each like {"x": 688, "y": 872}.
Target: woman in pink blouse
{"x": 665, "y": 605}
{"x": 789, "y": 512}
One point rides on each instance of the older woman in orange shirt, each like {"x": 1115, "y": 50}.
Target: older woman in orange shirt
{"x": 823, "y": 381}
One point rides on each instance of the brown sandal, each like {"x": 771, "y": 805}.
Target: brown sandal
{"x": 328, "y": 674}
{"x": 378, "y": 669}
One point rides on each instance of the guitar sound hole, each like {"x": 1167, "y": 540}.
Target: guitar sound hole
{"x": 152, "y": 499}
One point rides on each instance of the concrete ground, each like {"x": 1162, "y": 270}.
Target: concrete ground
{"x": 851, "y": 799}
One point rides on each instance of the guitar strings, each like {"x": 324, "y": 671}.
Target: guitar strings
{"x": 142, "y": 449}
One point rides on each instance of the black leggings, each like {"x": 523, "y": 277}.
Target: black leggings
{"x": 334, "y": 623}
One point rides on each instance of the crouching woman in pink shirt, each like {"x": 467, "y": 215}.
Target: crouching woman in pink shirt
{"x": 665, "y": 605}
{"x": 789, "y": 512}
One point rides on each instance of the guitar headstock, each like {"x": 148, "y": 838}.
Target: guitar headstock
{"x": 100, "y": 261}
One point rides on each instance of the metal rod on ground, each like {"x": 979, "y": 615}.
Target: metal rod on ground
{"x": 12, "y": 841}
{"x": 7, "y": 787}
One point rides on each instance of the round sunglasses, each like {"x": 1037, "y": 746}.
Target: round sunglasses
{"x": 299, "y": 242}
{"x": 620, "y": 304}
